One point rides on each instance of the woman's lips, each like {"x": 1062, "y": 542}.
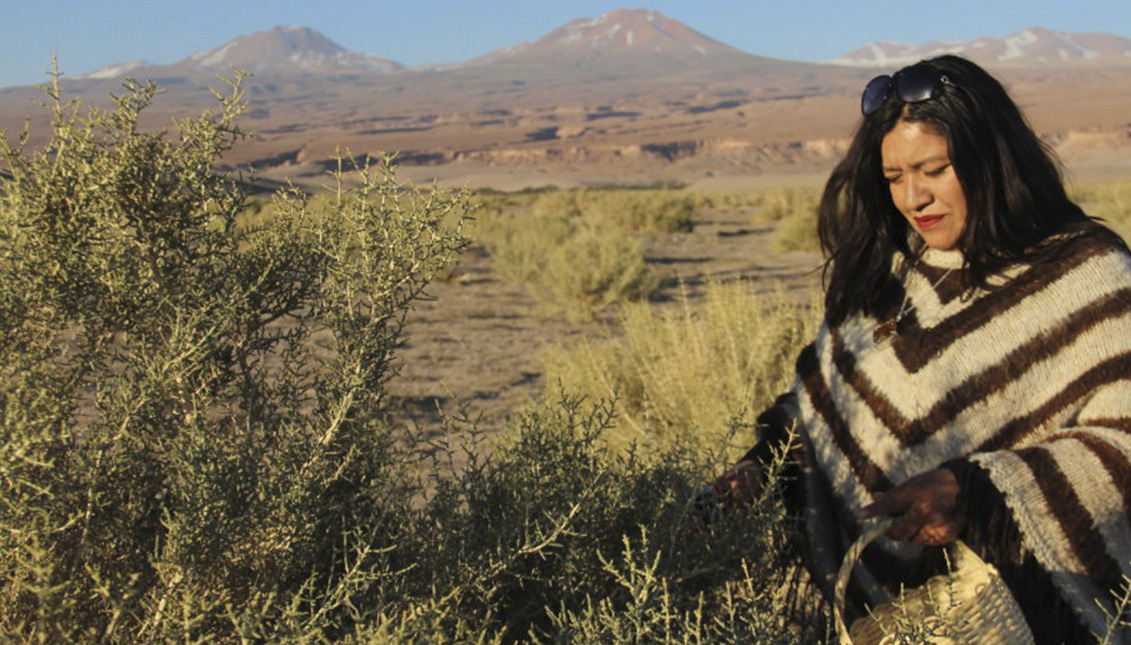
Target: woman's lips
{"x": 927, "y": 221}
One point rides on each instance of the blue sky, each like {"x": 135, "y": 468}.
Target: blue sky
{"x": 86, "y": 34}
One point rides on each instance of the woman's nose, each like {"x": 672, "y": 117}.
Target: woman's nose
{"x": 918, "y": 195}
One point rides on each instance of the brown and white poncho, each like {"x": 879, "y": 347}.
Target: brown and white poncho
{"x": 1023, "y": 390}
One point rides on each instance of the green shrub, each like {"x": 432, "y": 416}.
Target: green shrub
{"x": 795, "y": 211}
{"x": 575, "y": 268}
{"x": 742, "y": 200}
{"x": 191, "y": 445}
{"x": 644, "y": 211}
{"x": 798, "y": 232}
{"x": 563, "y": 204}
{"x": 682, "y": 374}
{"x": 521, "y": 246}
{"x": 569, "y": 543}
{"x": 594, "y": 268}
{"x": 572, "y": 249}
{"x": 631, "y": 211}
{"x": 781, "y": 203}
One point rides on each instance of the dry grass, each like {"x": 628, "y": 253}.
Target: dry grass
{"x": 629, "y": 210}
{"x": 1109, "y": 201}
{"x": 794, "y": 210}
{"x": 594, "y": 268}
{"x": 693, "y": 371}
{"x": 575, "y": 259}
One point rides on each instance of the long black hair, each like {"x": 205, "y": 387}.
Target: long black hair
{"x": 1015, "y": 195}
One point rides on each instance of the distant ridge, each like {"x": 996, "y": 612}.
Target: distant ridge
{"x": 621, "y": 44}
{"x": 1033, "y": 47}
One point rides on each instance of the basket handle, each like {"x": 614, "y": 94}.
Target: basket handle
{"x": 872, "y": 530}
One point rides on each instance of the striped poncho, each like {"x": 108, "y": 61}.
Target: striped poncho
{"x": 1023, "y": 390}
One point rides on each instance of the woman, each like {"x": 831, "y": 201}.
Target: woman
{"x": 973, "y": 373}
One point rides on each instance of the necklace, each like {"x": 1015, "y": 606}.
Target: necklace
{"x": 890, "y": 327}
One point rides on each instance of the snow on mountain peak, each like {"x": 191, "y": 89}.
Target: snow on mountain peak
{"x": 1033, "y": 46}
{"x": 115, "y": 70}
{"x": 288, "y": 48}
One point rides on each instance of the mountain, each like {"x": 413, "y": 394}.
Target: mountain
{"x": 286, "y": 50}
{"x": 624, "y": 41}
{"x": 629, "y": 96}
{"x": 1034, "y": 47}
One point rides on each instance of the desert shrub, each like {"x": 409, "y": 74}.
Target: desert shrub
{"x": 798, "y": 232}
{"x": 734, "y": 200}
{"x": 592, "y": 269}
{"x": 792, "y": 210}
{"x": 795, "y": 211}
{"x": 1109, "y": 201}
{"x": 569, "y": 543}
{"x": 575, "y": 268}
{"x": 574, "y": 249}
{"x": 649, "y": 211}
{"x": 631, "y": 211}
{"x": 190, "y": 407}
{"x": 520, "y": 246}
{"x": 784, "y": 202}
{"x": 193, "y": 446}
{"x": 686, "y": 372}
{"x": 494, "y": 212}
{"x": 565, "y": 204}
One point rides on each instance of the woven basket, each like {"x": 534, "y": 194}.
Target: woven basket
{"x": 968, "y": 606}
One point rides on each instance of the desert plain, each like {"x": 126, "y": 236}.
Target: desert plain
{"x": 551, "y": 119}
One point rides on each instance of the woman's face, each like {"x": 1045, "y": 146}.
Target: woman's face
{"x": 923, "y": 184}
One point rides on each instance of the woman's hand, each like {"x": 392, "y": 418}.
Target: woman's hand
{"x": 926, "y": 508}
{"x": 742, "y": 484}
{"x": 735, "y": 489}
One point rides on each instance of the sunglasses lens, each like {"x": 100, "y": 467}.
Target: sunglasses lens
{"x": 874, "y": 94}
{"x": 913, "y": 84}
{"x": 917, "y": 83}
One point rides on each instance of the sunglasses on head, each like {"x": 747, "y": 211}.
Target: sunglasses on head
{"x": 913, "y": 84}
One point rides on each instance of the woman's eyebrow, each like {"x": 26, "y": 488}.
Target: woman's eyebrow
{"x": 920, "y": 163}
